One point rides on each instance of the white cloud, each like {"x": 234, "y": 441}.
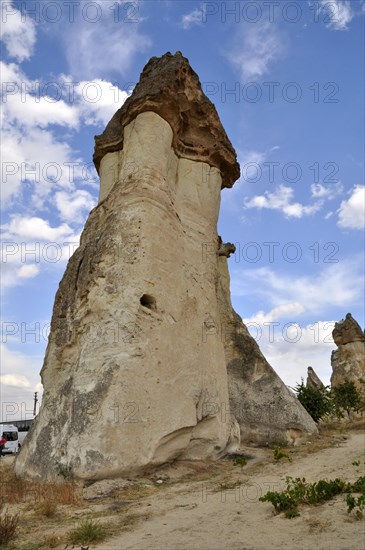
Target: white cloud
{"x": 13, "y": 271}
{"x": 252, "y": 164}
{"x": 281, "y": 199}
{"x": 17, "y": 33}
{"x": 19, "y": 379}
{"x": 351, "y": 214}
{"x": 31, "y": 245}
{"x": 253, "y": 157}
{"x": 28, "y": 271}
{"x": 99, "y": 100}
{"x": 291, "y": 348}
{"x": 73, "y": 206}
{"x": 14, "y": 380}
{"x": 337, "y": 13}
{"x": 336, "y": 285}
{"x": 31, "y": 153}
{"x": 21, "y": 227}
{"x": 283, "y": 310}
{"x": 321, "y": 191}
{"x": 11, "y": 73}
{"x": 36, "y": 156}
{"x": 34, "y": 153}
{"x": 195, "y": 17}
{"x": 255, "y": 48}
{"x": 30, "y": 110}
{"x": 95, "y": 50}
{"x": 26, "y": 103}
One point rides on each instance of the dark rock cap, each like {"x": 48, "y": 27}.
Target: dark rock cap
{"x": 346, "y": 331}
{"x": 169, "y": 87}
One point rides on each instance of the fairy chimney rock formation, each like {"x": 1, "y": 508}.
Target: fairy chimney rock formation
{"x": 129, "y": 381}
{"x": 313, "y": 381}
{"x": 135, "y": 372}
{"x": 348, "y": 361}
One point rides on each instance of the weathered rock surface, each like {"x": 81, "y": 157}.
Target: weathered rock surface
{"x": 135, "y": 372}
{"x": 169, "y": 87}
{"x": 348, "y": 361}
{"x": 313, "y": 381}
{"x": 129, "y": 381}
{"x": 264, "y": 407}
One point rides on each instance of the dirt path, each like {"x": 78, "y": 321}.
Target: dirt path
{"x": 205, "y": 516}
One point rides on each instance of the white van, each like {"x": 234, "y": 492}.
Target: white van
{"x": 10, "y": 433}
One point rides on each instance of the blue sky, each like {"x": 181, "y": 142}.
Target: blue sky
{"x": 288, "y": 83}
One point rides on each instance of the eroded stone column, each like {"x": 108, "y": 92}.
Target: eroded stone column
{"x": 130, "y": 380}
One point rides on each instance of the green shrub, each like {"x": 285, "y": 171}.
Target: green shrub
{"x": 323, "y": 490}
{"x": 358, "y": 486}
{"x": 240, "y": 461}
{"x": 298, "y": 491}
{"x": 64, "y": 470}
{"x": 353, "y": 503}
{"x": 279, "y": 454}
{"x": 316, "y": 402}
{"x": 287, "y": 501}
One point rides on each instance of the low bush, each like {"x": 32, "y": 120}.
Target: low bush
{"x": 299, "y": 491}
{"x": 279, "y": 454}
{"x": 240, "y": 461}
{"x": 353, "y": 503}
{"x": 64, "y": 470}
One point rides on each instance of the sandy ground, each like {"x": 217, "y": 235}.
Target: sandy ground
{"x": 213, "y": 506}
{"x": 205, "y": 516}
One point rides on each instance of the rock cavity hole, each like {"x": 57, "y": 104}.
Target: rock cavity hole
{"x": 148, "y": 301}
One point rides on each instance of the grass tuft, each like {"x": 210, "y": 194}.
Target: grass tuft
{"x": 87, "y": 532}
{"x": 47, "y": 508}
{"x": 8, "y": 527}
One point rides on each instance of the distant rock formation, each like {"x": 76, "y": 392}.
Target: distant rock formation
{"x": 348, "y": 361}
{"x": 135, "y": 372}
{"x": 313, "y": 381}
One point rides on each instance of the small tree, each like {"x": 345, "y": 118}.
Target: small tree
{"x": 316, "y": 401}
{"x": 346, "y": 398}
